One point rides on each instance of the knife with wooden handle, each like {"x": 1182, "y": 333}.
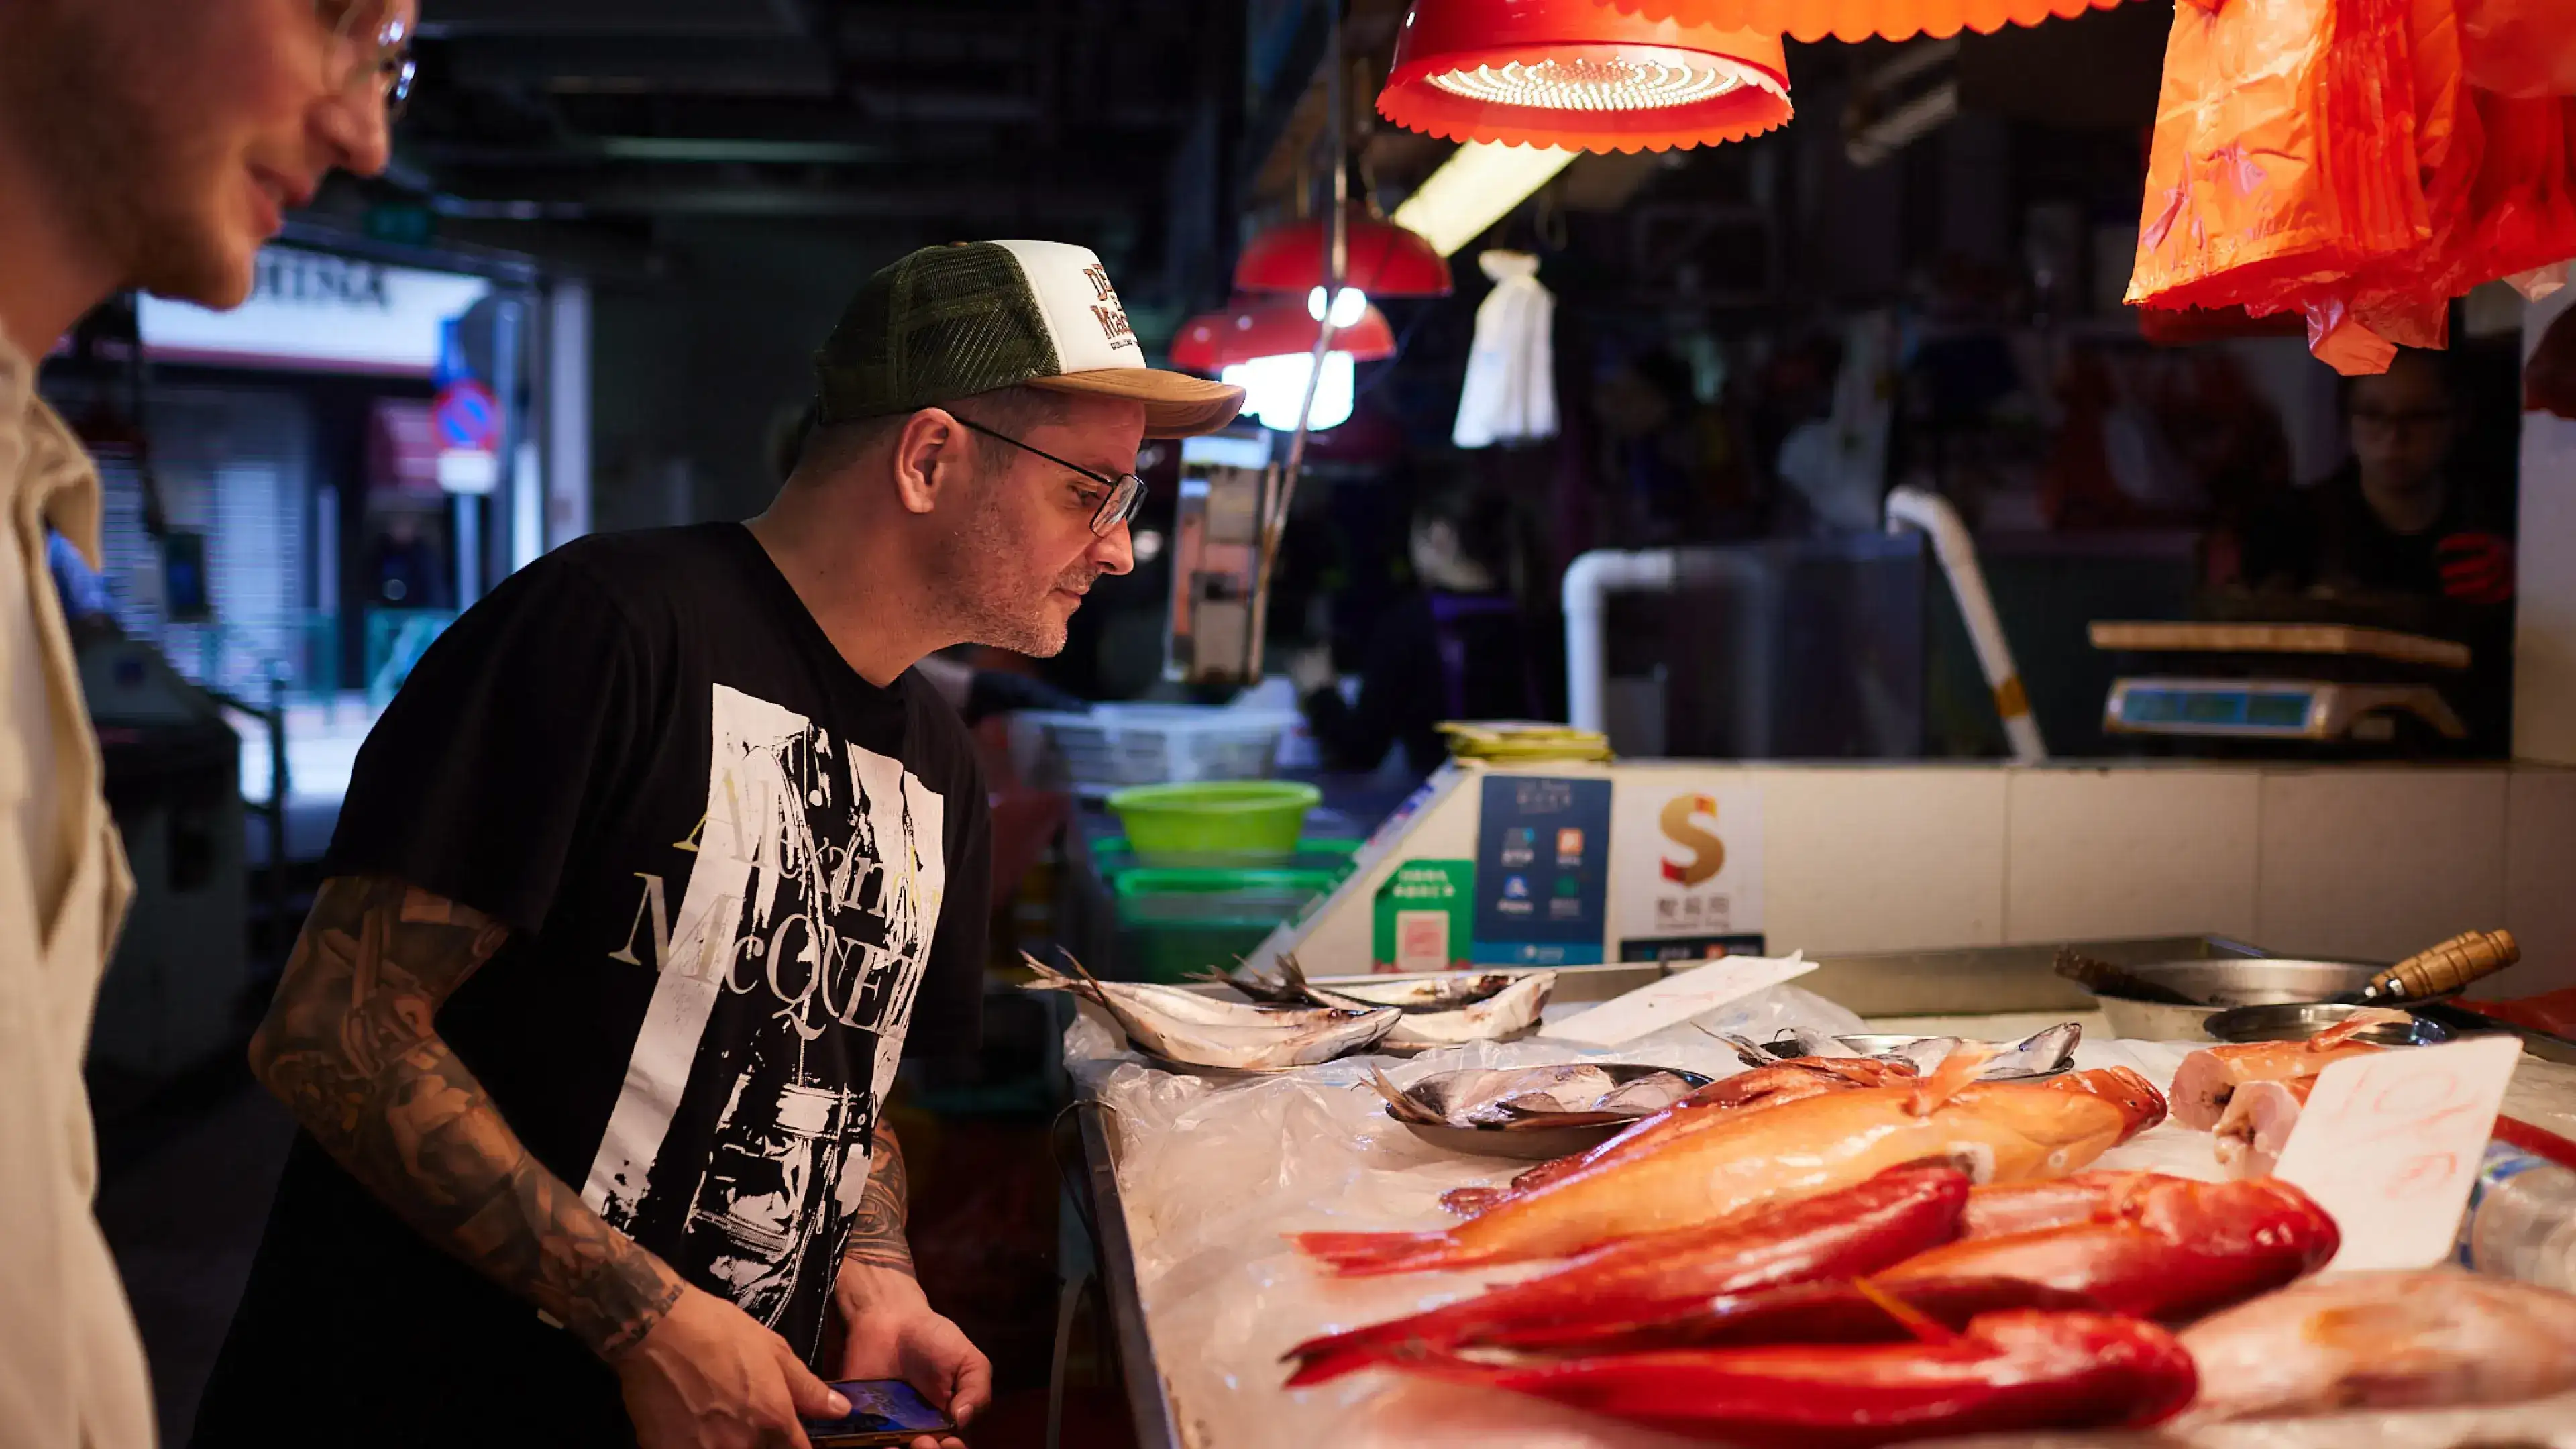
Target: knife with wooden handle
{"x": 2440, "y": 970}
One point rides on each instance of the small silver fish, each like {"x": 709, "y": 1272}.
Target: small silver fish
{"x": 1514, "y": 1012}
{"x": 1206, "y": 1031}
{"x": 1446, "y": 992}
{"x": 1532, "y": 1096}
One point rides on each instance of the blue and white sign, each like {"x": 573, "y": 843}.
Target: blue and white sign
{"x": 312, "y": 310}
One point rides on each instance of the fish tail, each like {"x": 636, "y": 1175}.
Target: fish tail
{"x": 1333, "y": 1355}
{"x": 1361, "y": 1255}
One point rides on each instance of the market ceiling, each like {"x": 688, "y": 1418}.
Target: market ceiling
{"x": 979, "y": 113}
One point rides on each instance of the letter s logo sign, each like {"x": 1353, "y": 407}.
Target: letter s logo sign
{"x": 1708, "y": 853}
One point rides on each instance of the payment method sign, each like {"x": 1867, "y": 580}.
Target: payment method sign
{"x": 1685, "y": 857}
{"x": 1542, "y": 863}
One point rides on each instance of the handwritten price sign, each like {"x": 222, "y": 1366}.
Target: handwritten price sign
{"x": 2390, "y": 1142}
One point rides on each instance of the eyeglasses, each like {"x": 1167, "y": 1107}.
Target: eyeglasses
{"x": 2376, "y": 420}
{"x": 383, "y": 59}
{"x": 1126, "y": 491}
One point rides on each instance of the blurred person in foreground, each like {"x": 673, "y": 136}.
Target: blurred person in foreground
{"x": 660, "y": 863}
{"x": 149, "y": 144}
{"x": 1452, "y": 649}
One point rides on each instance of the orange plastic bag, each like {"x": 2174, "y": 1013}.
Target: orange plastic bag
{"x": 2520, "y": 48}
{"x": 2330, "y": 158}
{"x": 2284, "y": 152}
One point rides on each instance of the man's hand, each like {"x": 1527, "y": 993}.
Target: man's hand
{"x": 709, "y": 1377}
{"x": 888, "y": 1331}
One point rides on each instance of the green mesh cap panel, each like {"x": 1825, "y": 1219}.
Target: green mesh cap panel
{"x": 943, "y": 323}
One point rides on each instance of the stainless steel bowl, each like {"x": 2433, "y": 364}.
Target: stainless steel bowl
{"x": 2242, "y": 981}
{"x": 2300, "y": 1020}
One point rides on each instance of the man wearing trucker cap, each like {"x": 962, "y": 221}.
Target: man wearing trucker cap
{"x": 642, "y": 887}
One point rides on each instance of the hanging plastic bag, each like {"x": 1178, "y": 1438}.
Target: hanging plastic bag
{"x": 1510, "y": 392}
{"x": 2284, "y": 152}
{"x": 2520, "y": 48}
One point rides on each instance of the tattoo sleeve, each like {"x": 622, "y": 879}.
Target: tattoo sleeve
{"x": 350, "y": 1047}
{"x": 876, "y": 1237}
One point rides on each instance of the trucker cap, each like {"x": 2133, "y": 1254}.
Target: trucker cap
{"x": 948, "y": 322}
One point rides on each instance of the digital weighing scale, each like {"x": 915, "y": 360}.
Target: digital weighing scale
{"x": 2201, "y": 699}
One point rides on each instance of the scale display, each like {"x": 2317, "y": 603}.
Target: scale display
{"x": 2215, "y": 707}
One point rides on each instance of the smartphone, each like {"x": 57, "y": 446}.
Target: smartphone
{"x": 882, "y": 1412}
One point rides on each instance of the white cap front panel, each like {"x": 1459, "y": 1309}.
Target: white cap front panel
{"x": 1082, "y": 310}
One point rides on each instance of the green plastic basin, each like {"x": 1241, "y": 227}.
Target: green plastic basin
{"x": 1238, "y": 817}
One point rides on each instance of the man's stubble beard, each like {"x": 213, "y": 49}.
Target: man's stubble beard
{"x": 991, "y": 610}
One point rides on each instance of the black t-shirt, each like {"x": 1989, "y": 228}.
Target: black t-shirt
{"x": 2329, "y": 537}
{"x": 740, "y": 880}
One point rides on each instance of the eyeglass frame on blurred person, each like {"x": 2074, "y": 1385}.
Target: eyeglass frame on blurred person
{"x": 390, "y": 65}
{"x": 2392, "y": 423}
{"x": 1126, "y": 491}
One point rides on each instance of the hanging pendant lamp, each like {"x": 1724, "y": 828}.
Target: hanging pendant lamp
{"x": 1384, "y": 260}
{"x": 1858, "y": 19}
{"x": 1581, "y": 76}
{"x": 1270, "y": 327}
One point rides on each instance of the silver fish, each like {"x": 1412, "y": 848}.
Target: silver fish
{"x": 2041, "y": 1054}
{"x": 1514, "y": 1012}
{"x": 1529, "y": 1096}
{"x": 1446, "y": 992}
{"x": 1207, "y": 1031}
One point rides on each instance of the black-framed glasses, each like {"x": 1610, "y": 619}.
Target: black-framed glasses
{"x": 383, "y": 59}
{"x": 1126, "y": 491}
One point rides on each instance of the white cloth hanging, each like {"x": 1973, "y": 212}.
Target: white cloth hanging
{"x": 1510, "y": 395}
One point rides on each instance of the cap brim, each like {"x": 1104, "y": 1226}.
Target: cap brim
{"x": 1177, "y": 405}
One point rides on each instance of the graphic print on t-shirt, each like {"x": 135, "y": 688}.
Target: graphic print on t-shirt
{"x": 808, "y": 917}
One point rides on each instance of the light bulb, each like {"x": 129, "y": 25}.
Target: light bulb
{"x": 1275, "y": 387}
{"x": 1349, "y": 306}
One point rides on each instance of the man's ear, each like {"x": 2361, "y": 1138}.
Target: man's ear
{"x": 929, "y": 459}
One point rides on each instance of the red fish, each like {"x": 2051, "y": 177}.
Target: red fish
{"x": 2161, "y": 1247}
{"x": 2175, "y": 1249}
{"x": 1788, "y": 1081}
{"x": 2000, "y": 1131}
{"x": 2007, "y": 1372}
{"x": 1861, "y": 1229}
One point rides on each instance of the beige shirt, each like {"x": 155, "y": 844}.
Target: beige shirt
{"x": 71, "y": 1365}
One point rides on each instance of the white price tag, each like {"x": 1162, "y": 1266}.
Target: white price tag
{"x": 2390, "y": 1143}
{"x": 1676, "y": 998}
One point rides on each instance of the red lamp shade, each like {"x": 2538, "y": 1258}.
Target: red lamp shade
{"x": 1858, "y": 19}
{"x": 1382, "y": 259}
{"x": 1268, "y": 327}
{"x": 1580, "y": 75}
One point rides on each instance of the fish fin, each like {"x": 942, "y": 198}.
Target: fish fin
{"x": 1362, "y": 1255}
{"x": 1049, "y": 978}
{"x": 2357, "y": 1023}
{"x": 1922, "y": 1325}
{"x": 1957, "y": 1071}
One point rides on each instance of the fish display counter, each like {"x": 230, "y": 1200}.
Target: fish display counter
{"x": 1797, "y": 1222}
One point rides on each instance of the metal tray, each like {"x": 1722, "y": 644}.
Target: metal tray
{"x": 1539, "y": 1144}
{"x": 2300, "y": 1020}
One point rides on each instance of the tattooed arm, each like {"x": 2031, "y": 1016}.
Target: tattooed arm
{"x": 352, "y": 1047}
{"x": 877, "y": 1237}
{"x": 887, "y": 1327}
